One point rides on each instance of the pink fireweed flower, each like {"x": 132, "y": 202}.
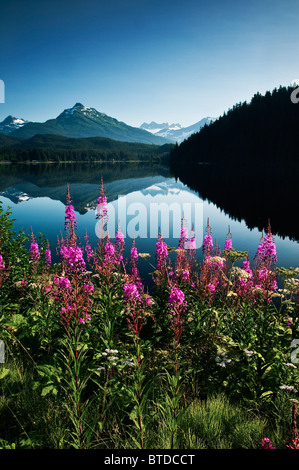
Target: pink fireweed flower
{"x": 270, "y": 248}
{"x": 208, "y": 241}
{"x": 134, "y": 254}
{"x": 211, "y": 287}
{"x": 88, "y": 249}
{"x": 109, "y": 249}
{"x": 183, "y": 242}
{"x": 119, "y": 237}
{"x": 176, "y": 297}
{"x": 161, "y": 254}
{"x": 88, "y": 288}
{"x": 102, "y": 209}
{"x": 70, "y": 212}
{"x": 246, "y": 267}
{"x": 72, "y": 256}
{"x": 228, "y": 244}
{"x": 192, "y": 244}
{"x": 134, "y": 261}
{"x": 119, "y": 244}
{"x": 266, "y": 252}
{"x": 70, "y": 219}
{"x": 64, "y": 283}
{"x": 266, "y": 443}
{"x": 185, "y": 275}
{"x": 70, "y": 216}
{"x": 177, "y": 305}
{"x": 34, "y": 248}
{"x": 34, "y": 252}
{"x": 86, "y": 317}
{"x": 2, "y": 265}
{"x": 48, "y": 255}
{"x": 131, "y": 292}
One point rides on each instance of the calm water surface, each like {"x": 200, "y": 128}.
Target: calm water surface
{"x": 142, "y": 198}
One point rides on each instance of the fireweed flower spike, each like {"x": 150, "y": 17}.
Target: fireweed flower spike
{"x": 161, "y": 254}
{"x": 177, "y": 306}
{"x": 88, "y": 249}
{"x": 134, "y": 261}
{"x": 208, "y": 241}
{"x": 119, "y": 244}
{"x": 182, "y": 264}
{"x": 265, "y": 259}
{"x": 102, "y": 210}
{"x": 266, "y": 443}
{"x": 228, "y": 241}
{"x": 102, "y": 213}
{"x": 34, "y": 249}
{"x": 48, "y": 255}
{"x": 2, "y": 270}
{"x": 70, "y": 224}
{"x": 2, "y": 265}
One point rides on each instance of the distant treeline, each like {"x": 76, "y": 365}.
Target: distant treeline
{"x": 61, "y": 149}
{"x": 261, "y": 132}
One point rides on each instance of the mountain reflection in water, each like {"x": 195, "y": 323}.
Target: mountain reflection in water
{"x": 143, "y": 198}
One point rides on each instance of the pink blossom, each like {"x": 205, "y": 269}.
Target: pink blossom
{"x": 73, "y": 256}
{"x": 192, "y": 244}
{"x": 211, "y": 287}
{"x": 70, "y": 212}
{"x": 64, "y": 283}
{"x": 134, "y": 253}
{"x": 176, "y": 296}
{"x": 246, "y": 267}
{"x": 2, "y": 265}
{"x": 34, "y": 252}
{"x": 119, "y": 237}
{"x": 88, "y": 287}
{"x": 228, "y": 244}
{"x": 130, "y": 291}
{"x": 109, "y": 249}
{"x": 266, "y": 443}
{"x": 48, "y": 257}
{"x": 161, "y": 254}
{"x": 86, "y": 317}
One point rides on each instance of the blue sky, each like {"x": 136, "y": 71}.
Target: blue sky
{"x": 161, "y": 60}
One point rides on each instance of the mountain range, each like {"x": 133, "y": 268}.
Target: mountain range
{"x": 175, "y": 132}
{"x": 82, "y": 122}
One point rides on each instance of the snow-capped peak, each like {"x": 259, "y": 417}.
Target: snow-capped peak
{"x": 175, "y": 132}
{"x": 10, "y": 124}
{"x": 79, "y": 107}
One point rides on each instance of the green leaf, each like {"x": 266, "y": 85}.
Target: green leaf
{"x": 3, "y": 373}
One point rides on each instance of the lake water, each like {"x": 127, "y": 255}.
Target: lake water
{"x": 141, "y": 197}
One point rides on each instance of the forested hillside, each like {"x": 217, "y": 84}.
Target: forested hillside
{"x": 260, "y": 132}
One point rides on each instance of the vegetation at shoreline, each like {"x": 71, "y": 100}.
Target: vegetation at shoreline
{"x": 93, "y": 360}
{"x": 55, "y": 148}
